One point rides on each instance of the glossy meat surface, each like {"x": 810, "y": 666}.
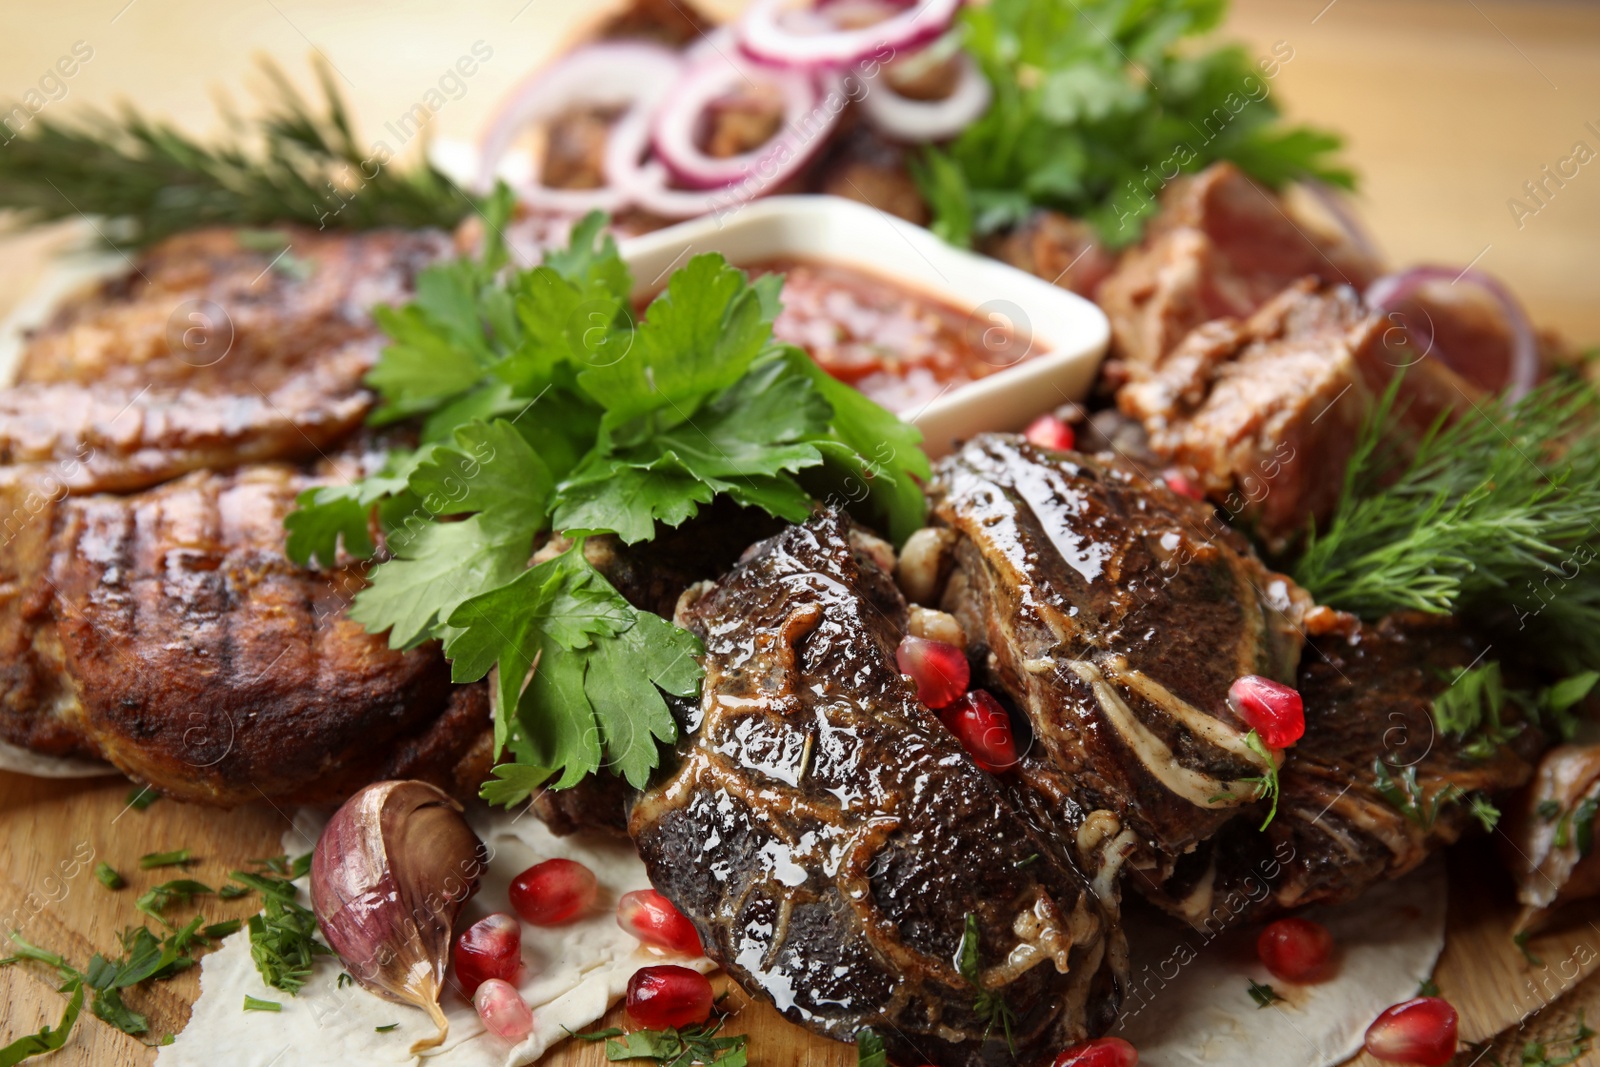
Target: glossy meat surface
{"x": 829, "y": 838}
{"x": 1339, "y": 828}
{"x": 1116, "y": 614}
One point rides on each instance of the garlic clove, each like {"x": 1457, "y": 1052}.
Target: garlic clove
{"x": 390, "y": 873}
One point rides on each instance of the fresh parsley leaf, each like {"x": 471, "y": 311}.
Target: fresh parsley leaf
{"x": 869, "y": 1049}
{"x": 1264, "y": 995}
{"x": 177, "y": 858}
{"x": 256, "y": 1004}
{"x": 107, "y": 876}
{"x": 1097, "y": 104}
{"x": 1263, "y": 786}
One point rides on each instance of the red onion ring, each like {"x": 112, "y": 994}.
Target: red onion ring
{"x": 677, "y": 122}
{"x": 1523, "y": 373}
{"x": 646, "y": 184}
{"x": 919, "y": 121}
{"x": 764, "y": 35}
{"x": 610, "y": 73}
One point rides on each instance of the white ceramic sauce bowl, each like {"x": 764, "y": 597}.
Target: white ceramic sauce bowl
{"x": 1050, "y": 341}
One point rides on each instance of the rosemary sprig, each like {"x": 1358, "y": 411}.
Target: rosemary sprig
{"x": 292, "y": 164}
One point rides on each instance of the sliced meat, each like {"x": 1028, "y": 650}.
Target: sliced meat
{"x": 1548, "y": 841}
{"x": 860, "y": 165}
{"x": 1369, "y": 706}
{"x": 830, "y": 839}
{"x": 166, "y": 632}
{"x": 1116, "y": 614}
{"x": 1221, "y": 246}
{"x": 1061, "y": 250}
{"x": 210, "y": 354}
{"x": 1265, "y": 413}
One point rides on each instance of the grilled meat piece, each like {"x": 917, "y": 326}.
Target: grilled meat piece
{"x": 210, "y": 353}
{"x": 1221, "y": 246}
{"x": 829, "y": 838}
{"x": 1339, "y": 828}
{"x": 1116, "y": 614}
{"x": 1063, "y": 251}
{"x": 1265, "y": 412}
{"x": 1548, "y": 834}
{"x": 166, "y": 632}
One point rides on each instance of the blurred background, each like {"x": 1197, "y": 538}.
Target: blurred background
{"x": 1450, "y": 107}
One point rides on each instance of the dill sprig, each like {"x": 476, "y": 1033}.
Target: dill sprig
{"x": 1493, "y": 514}
{"x": 292, "y": 164}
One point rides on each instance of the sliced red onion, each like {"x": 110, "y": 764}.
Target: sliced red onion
{"x": 1334, "y": 204}
{"x": 613, "y": 73}
{"x": 768, "y": 32}
{"x": 678, "y": 121}
{"x": 1524, "y": 369}
{"x": 918, "y": 121}
{"x": 645, "y": 184}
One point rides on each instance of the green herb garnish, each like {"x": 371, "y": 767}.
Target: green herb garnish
{"x": 1264, "y": 995}
{"x": 546, "y": 407}
{"x": 298, "y": 165}
{"x": 256, "y": 1004}
{"x": 1263, "y": 786}
{"x": 1521, "y": 941}
{"x": 283, "y": 940}
{"x": 1539, "y": 1054}
{"x": 107, "y": 876}
{"x": 1427, "y": 988}
{"x": 48, "y": 1038}
{"x": 385, "y": 1028}
{"x": 1098, "y": 104}
{"x": 175, "y": 858}
{"x": 674, "y": 1047}
{"x": 156, "y": 900}
{"x": 989, "y": 1005}
{"x": 142, "y": 797}
{"x": 869, "y": 1049}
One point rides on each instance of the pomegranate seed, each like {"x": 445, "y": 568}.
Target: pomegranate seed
{"x": 1047, "y": 431}
{"x": 1271, "y": 709}
{"x": 1101, "y": 1052}
{"x": 1421, "y": 1031}
{"x": 1295, "y": 950}
{"x": 984, "y": 730}
{"x": 502, "y": 1010}
{"x": 553, "y": 892}
{"x": 1179, "y": 483}
{"x": 651, "y": 918}
{"x": 668, "y": 996}
{"x": 940, "y": 670}
{"x": 489, "y": 948}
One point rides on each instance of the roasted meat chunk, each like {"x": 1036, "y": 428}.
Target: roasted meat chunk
{"x": 1372, "y": 789}
{"x": 1221, "y": 247}
{"x": 1548, "y": 839}
{"x": 833, "y": 843}
{"x": 166, "y": 632}
{"x": 1116, "y": 614}
{"x": 213, "y": 351}
{"x": 1265, "y": 413}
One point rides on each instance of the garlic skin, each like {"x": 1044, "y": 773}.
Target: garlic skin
{"x": 390, "y": 873}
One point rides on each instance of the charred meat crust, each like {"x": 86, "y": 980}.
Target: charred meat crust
{"x": 828, "y": 837}
{"x": 1116, "y": 614}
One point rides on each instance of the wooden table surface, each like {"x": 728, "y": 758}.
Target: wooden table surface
{"x": 1450, "y": 106}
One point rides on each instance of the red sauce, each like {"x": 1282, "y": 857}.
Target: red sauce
{"x": 900, "y": 347}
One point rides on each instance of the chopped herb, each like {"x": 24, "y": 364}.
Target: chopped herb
{"x": 674, "y": 1047}
{"x": 256, "y": 1004}
{"x": 385, "y": 1028}
{"x": 1521, "y": 941}
{"x": 989, "y": 1005}
{"x": 1027, "y": 861}
{"x": 869, "y": 1049}
{"x": 282, "y": 937}
{"x": 1427, "y": 988}
{"x": 142, "y": 797}
{"x": 156, "y": 900}
{"x": 48, "y": 1038}
{"x": 1484, "y": 811}
{"x": 343, "y": 980}
{"x": 218, "y": 931}
{"x": 1539, "y": 1054}
{"x": 1265, "y": 786}
{"x": 1264, "y": 995}
{"x": 229, "y": 891}
{"x": 107, "y": 876}
{"x": 285, "y": 867}
{"x": 705, "y": 404}
{"x": 175, "y": 858}
{"x": 1409, "y": 797}
{"x": 1548, "y": 810}
{"x": 1470, "y": 708}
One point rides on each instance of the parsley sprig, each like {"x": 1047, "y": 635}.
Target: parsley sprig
{"x": 1098, "y": 103}
{"x": 545, "y": 407}
{"x": 1263, "y": 786}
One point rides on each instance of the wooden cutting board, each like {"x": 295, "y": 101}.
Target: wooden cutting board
{"x": 55, "y": 831}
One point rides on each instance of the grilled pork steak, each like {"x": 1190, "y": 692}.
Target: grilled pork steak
{"x": 166, "y": 632}
{"x": 1340, "y": 828}
{"x": 210, "y": 354}
{"x": 1116, "y": 614}
{"x": 829, "y": 838}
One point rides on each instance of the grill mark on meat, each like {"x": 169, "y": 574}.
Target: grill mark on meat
{"x": 828, "y": 837}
